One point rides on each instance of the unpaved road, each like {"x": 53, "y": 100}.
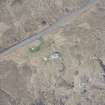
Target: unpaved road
{"x": 67, "y": 19}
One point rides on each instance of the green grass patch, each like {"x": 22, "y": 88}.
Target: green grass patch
{"x": 34, "y": 48}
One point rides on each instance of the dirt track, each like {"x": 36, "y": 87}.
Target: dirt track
{"x": 67, "y": 19}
